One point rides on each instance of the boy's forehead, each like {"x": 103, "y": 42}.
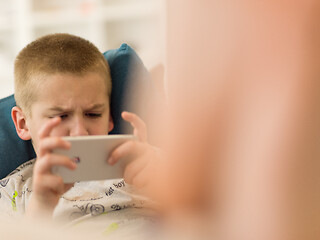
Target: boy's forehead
{"x": 72, "y": 82}
{"x": 64, "y": 90}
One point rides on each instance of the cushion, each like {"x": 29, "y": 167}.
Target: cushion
{"x": 13, "y": 150}
{"x": 126, "y": 68}
{"x": 131, "y": 82}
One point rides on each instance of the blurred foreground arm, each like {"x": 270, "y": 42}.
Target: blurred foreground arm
{"x": 250, "y": 91}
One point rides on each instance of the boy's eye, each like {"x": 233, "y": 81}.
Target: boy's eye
{"x": 63, "y": 116}
{"x": 93, "y": 115}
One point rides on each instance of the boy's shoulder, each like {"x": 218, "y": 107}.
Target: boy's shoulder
{"x": 25, "y": 169}
{"x": 19, "y": 177}
{"x": 15, "y": 189}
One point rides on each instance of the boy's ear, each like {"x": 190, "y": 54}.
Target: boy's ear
{"x": 111, "y": 125}
{"x": 19, "y": 120}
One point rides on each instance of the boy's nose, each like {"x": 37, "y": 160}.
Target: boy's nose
{"x": 78, "y": 128}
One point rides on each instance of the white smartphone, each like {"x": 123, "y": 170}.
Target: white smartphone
{"x": 91, "y": 154}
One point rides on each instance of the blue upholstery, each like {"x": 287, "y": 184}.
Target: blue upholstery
{"x": 126, "y": 68}
{"x": 13, "y": 150}
{"x": 129, "y": 77}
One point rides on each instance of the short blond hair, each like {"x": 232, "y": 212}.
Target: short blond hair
{"x": 54, "y": 54}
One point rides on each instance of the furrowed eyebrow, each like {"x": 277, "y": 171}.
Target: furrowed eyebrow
{"x": 99, "y": 106}
{"x": 59, "y": 109}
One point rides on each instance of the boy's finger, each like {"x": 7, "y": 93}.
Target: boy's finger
{"x": 141, "y": 179}
{"x": 45, "y": 164}
{"x": 129, "y": 149}
{"x": 140, "y": 128}
{"x": 49, "y": 183}
{"x": 135, "y": 168}
{"x": 48, "y": 144}
{"x": 47, "y": 128}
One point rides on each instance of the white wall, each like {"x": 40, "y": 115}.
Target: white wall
{"x": 107, "y": 23}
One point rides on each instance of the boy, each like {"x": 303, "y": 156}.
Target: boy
{"x": 62, "y": 88}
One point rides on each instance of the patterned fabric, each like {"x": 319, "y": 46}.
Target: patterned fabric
{"x": 102, "y": 207}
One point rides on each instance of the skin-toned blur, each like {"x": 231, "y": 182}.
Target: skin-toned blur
{"x": 240, "y": 139}
{"x": 244, "y": 119}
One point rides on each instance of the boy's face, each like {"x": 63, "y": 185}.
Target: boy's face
{"x": 80, "y": 101}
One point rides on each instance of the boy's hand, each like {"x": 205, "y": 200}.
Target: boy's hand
{"x": 139, "y": 126}
{"x": 47, "y": 187}
{"x": 142, "y": 155}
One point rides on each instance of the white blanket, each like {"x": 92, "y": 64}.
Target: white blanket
{"x": 101, "y": 207}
